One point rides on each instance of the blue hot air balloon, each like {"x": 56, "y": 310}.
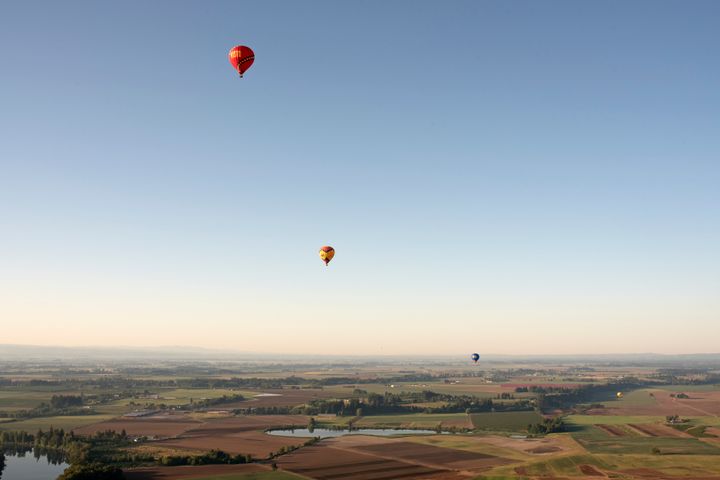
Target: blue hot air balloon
{"x": 475, "y": 357}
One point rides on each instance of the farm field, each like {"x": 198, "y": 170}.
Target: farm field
{"x": 12, "y": 400}
{"x": 44, "y": 423}
{"x": 328, "y": 463}
{"x": 418, "y": 420}
{"x": 505, "y": 421}
{"x": 255, "y": 476}
{"x": 203, "y": 472}
{"x": 627, "y": 439}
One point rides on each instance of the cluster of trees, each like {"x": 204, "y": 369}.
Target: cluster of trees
{"x": 59, "y": 402}
{"x": 125, "y": 386}
{"x": 212, "y": 402}
{"x": 2, "y": 463}
{"x": 544, "y": 389}
{"x": 404, "y": 402}
{"x": 103, "y": 447}
{"x": 548, "y": 425}
{"x": 213, "y": 457}
{"x": 675, "y": 419}
{"x": 59, "y": 405}
{"x": 687, "y": 376}
{"x": 570, "y": 397}
{"x": 92, "y": 471}
{"x": 291, "y": 448}
{"x": 14, "y": 438}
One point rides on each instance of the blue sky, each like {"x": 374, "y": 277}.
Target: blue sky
{"x": 513, "y": 172}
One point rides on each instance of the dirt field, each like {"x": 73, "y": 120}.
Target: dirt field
{"x": 178, "y": 473}
{"x": 612, "y": 430}
{"x": 237, "y": 435}
{"x": 463, "y": 422}
{"x": 169, "y": 426}
{"x": 590, "y": 470}
{"x": 223, "y": 425}
{"x": 435, "y": 456}
{"x": 327, "y": 463}
{"x": 257, "y": 444}
{"x": 657, "y": 430}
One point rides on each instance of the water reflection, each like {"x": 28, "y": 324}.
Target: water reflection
{"x": 31, "y": 464}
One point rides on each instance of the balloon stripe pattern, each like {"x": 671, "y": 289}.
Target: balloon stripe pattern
{"x": 326, "y": 254}
{"x": 241, "y": 58}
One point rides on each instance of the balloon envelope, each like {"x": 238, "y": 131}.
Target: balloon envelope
{"x": 241, "y": 58}
{"x": 326, "y": 254}
{"x": 475, "y": 357}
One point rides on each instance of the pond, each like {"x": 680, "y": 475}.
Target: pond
{"x": 30, "y": 466}
{"x": 326, "y": 433}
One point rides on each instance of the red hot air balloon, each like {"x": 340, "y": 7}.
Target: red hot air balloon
{"x": 241, "y": 58}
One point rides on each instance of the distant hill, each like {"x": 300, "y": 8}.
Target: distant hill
{"x": 11, "y": 352}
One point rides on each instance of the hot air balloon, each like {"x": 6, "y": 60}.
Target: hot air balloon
{"x": 241, "y": 58}
{"x": 326, "y": 254}
{"x": 475, "y": 357}
{"x": 619, "y": 394}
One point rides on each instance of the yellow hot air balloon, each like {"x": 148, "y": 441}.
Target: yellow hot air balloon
{"x": 619, "y": 395}
{"x": 326, "y": 254}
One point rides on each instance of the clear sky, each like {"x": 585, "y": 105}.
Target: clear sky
{"x": 502, "y": 177}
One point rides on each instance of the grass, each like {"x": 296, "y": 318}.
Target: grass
{"x": 680, "y": 465}
{"x": 412, "y": 420}
{"x": 12, "y": 399}
{"x": 597, "y": 441}
{"x": 612, "y": 419}
{"x": 688, "y": 388}
{"x": 464, "y": 442}
{"x": 505, "y": 421}
{"x": 565, "y": 466}
{"x": 32, "y": 425}
{"x": 635, "y": 398}
{"x": 182, "y": 396}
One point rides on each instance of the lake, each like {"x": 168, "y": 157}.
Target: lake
{"x": 325, "y": 433}
{"x": 28, "y": 467}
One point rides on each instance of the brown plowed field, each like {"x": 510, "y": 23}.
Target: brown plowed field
{"x": 149, "y": 426}
{"x": 612, "y": 430}
{"x": 590, "y": 470}
{"x": 221, "y": 426}
{"x": 428, "y": 454}
{"x": 237, "y": 435}
{"x": 187, "y": 472}
{"x": 657, "y": 430}
{"x": 327, "y": 463}
{"x": 257, "y": 444}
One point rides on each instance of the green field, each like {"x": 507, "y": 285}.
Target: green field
{"x": 505, "y": 421}
{"x": 634, "y": 398}
{"x": 182, "y": 396}
{"x": 412, "y": 420}
{"x": 12, "y": 399}
{"x": 596, "y": 440}
{"x": 611, "y": 419}
{"x": 464, "y": 442}
{"x": 68, "y": 422}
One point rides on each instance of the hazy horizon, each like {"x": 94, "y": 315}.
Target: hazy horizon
{"x": 501, "y": 178}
